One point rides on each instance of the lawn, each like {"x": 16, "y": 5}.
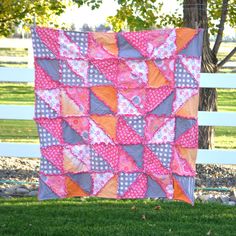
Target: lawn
{"x": 91, "y": 216}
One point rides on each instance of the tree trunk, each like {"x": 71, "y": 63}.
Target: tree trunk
{"x": 195, "y": 15}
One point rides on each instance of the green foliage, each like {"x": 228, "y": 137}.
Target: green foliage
{"x": 16, "y": 12}
{"x": 214, "y": 14}
{"x": 148, "y": 14}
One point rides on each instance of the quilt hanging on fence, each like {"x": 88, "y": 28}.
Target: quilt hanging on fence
{"x": 117, "y": 112}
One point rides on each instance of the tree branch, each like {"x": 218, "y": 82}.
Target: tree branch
{"x": 219, "y": 37}
{"x": 220, "y": 64}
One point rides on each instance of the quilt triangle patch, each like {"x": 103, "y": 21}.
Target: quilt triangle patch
{"x": 69, "y": 107}
{"x": 184, "y": 188}
{"x": 125, "y": 181}
{"x": 41, "y": 50}
{"x": 73, "y": 189}
{"x": 155, "y": 77}
{"x": 100, "y": 180}
{"x": 68, "y": 48}
{"x": 154, "y": 97}
{"x": 51, "y": 97}
{"x": 80, "y": 67}
{"x": 46, "y": 139}
{"x": 190, "y": 108}
{"x": 43, "y": 81}
{"x": 109, "y": 152}
{"x": 69, "y": 77}
{"x": 165, "y": 133}
{"x": 182, "y": 95}
{"x": 182, "y": 125}
{"x": 138, "y": 188}
{"x": 50, "y": 38}
{"x": 165, "y": 108}
{"x": 42, "y": 109}
{"x": 95, "y": 77}
{"x": 183, "y": 37}
{"x": 154, "y": 190}
{"x": 126, "y": 50}
{"x": 70, "y": 135}
{"x": 107, "y": 95}
{"x": 136, "y": 152}
{"x": 108, "y": 68}
{"x": 107, "y": 123}
{"x": 84, "y": 180}
{"x": 183, "y": 78}
{"x": 54, "y": 155}
{"x": 125, "y": 106}
{"x": 45, "y": 192}
{"x": 110, "y": 188}
{"x": 180, "y": 166}
{"x": 152, "y": 165}
{"x": 73, "y": 164}
{"x": 126, "y": 135}
{"x": 51, "y": 67}
{"x": 189, "y": 138}
{"x": 137, "y": 123}
{"x": 97, "y": 135}
{"x": 48, "y": 168}
{"x": 163, "y": 152}
{"x": 98, "y": 164}
{"x": 189, "y": 154}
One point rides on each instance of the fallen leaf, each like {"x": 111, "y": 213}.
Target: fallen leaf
{"x": 170, "y": 230}
{"x": 157, "y": 207}
{"x": 133, "y": 208}
{"x": 209, "y": 232}
{"x": 144, "y": 217}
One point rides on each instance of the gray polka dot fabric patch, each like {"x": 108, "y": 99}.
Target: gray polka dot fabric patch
{"x": 137, "y": 123}
{"x": 163, "y": 153}
{"x": 80, "y": 39}
{"x": 69, "y": 77}
{"x": 183, "y": 78}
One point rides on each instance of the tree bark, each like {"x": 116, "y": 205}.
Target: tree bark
{"x": 195, "y": 14}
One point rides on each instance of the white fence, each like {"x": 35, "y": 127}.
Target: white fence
{"x": 216, "y": 156}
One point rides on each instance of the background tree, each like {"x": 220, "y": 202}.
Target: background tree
{"x": 212, "y": 15}
{"x": 16, "y": 12}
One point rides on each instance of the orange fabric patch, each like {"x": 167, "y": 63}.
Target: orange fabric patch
{"x": 73, "y": 189}
{"x": 68, "y": 106}
{"x": 183, "y": 37}
{"x": 108, "y": 41}
{"x": 110, "y": 189}
{"x": 155, "y": 77}
{"x": 189, "y": 154}
{"x": 107, "y": 123}
{"x": 190, "y": 108}
{"x": 179, "y": 193}
{"x": 108, "y": 95}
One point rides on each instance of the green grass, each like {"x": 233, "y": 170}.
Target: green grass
{"x": 17, "y": 94}
{"x": 110, "y": 217}
{"x": 226, "y": 99}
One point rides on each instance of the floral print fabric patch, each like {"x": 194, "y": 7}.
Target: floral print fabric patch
{"x": 117, "y": 112}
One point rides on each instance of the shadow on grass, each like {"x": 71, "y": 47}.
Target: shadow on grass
{"x": 92, "y": 216}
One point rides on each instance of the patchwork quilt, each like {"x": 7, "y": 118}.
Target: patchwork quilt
{"x": 117, "y": 112}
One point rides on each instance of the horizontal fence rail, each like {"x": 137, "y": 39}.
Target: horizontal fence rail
{"x": 207, "y": 80}
{"x": 18, "y": 112}
{"x": 205, "y": 118}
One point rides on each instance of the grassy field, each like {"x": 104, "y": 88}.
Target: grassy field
{"x": 110, "y": 217}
